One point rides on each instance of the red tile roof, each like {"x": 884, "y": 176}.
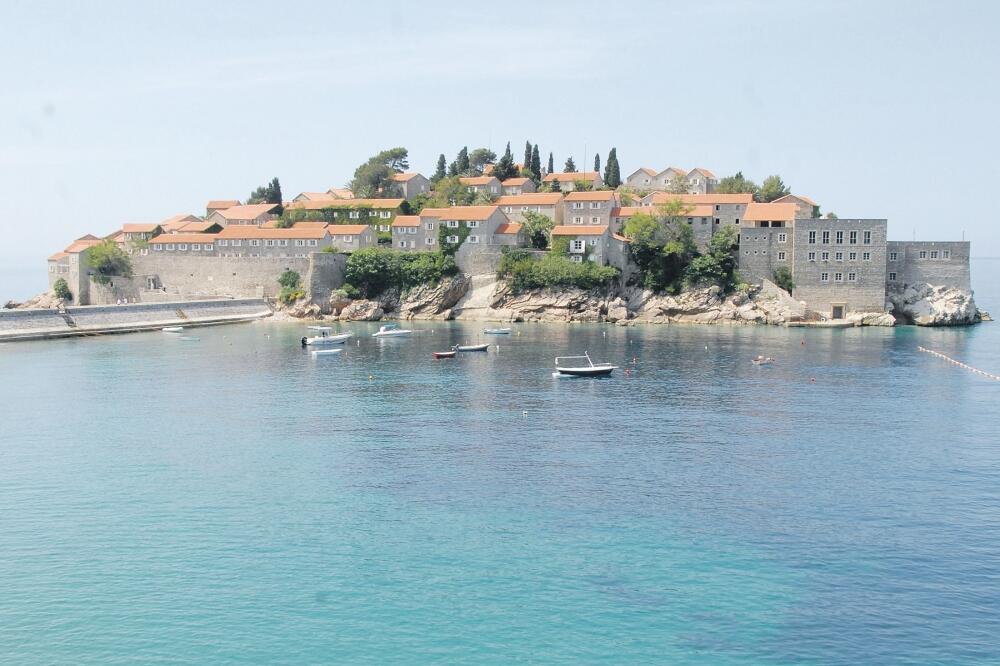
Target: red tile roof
{"x": 406, "y": 221}
{"x": 220, "y": 204}
{"x": 770, "y": 211}
{"x": 140, "y": 227}
{"x": 379, "y": 204}
{"x": 571, "y": 177}
{"x": 787, "y": 197}
{"x": 460, "y": 212}
{"x": 530, "y": 199}
{"x": 403, "y": 177}
{"x": 476, "y": 180}
{"x": 596, "y": 195}
{"x": 245, "y": 231}
{"x": 347, "y": 229}
{"x": 514, "y": 182}
{"x": 184, "y": 238}
{"x": 509, "y": 228}
{"x": 579, "y": 230}
{"x": 247, "y": 212}
{"x": 664, "y": 197}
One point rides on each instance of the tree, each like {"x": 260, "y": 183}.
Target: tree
{"x": 736, "y": 184}
{"x": 270, "y": 193}
{"x": 479, "y": 158}
{"x": 462, "y": 161}
{"x": 439, "y": 173}
{"x": 289, "y": 279}
{"x": 678, "y": 184}
{"x": 453, "y": 169}
{"x": 527, "y": 155}
{"x": 783, "y": 278}
{"x": 831, "y": 216}
{"x": 612, "y": 172}
{"x": 505, "y": 168}
{"x": 555, "y": 186}
{"x": 570, "y": 166}
{"x": 448, "y": 191}
{"x": 537, "y": 228}
{"x": 597, "y": 163}
{"x": 551, "y": 165}
{"x": 108, "y": 260}
{"x": 662, "y": 245}
{"x": 374, "y": 178}
{"x": 772, "y": 188}
{"x": 291, "y": 289}
{"x": 536, "y": 164}
{"x": 61, "y": 290}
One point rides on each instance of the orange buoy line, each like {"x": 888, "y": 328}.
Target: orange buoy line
{"x": 960, "y": 364}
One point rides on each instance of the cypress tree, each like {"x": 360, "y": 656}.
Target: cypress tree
{"x": 551, "y": 165}
{"x": 462, "y": 161}
{"x": 536, "y": 164}
{"x": 597, "y": 163}
{"x": 527, "y": 155}
{"x": 505, "y": 168}
{"x": 453, "y": 169}
{"x": 570, "y": 166}
{"x": 612, "y": 172}
{"x": 440, "y": 172}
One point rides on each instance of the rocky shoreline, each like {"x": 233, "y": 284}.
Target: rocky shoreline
{"x": 483, "y": 298}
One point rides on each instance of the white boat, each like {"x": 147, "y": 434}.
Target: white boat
{"x": 590, "y": 370}
{"x": 471, "y": 348}
{"x": 324, "y": 352}
{"x": 391, "y": 330}
{"x": 497, "y": 331}
{"x": 325, "y": 337}
{"x": 172, "y": 329}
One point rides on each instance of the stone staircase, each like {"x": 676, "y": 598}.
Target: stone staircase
{"x": 479, "y": 295}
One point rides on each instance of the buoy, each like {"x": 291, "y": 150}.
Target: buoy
{"x": 371, "y": 377}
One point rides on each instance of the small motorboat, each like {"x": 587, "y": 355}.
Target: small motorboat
{"x": 391, "y": 330}
{"x": 762, "y": 360}
{"x": 324, "y": 352}
{"x": 447, "y": 354}
{"x": 325, "y": 337}
{"x": 590, "y": 370}
{"x": 497, "y": 331}
{"x": 172, "y": 329}
{"x": 471, "y": 348}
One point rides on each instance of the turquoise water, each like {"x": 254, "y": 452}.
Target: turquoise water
{"x": 233, "y": 500}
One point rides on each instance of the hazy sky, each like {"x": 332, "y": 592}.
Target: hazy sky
{"x": 119, "y": 112}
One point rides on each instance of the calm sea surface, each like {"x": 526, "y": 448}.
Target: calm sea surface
{"x": 234, "y": 500}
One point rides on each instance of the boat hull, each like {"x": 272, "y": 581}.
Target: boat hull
{"x": 497, "y": 331}
{"x": 448, "y": 354}
{"x": 472, "y": 348}
{"x": 328, "y": 340}
{"x": 596, "y": 371}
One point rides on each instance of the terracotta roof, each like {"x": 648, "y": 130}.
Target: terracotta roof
{"x": 664, "y": 197}
{"x": 800, "y": 197}
{"x": 406, "y": 221}
{"x": 197, "y": 227}
{"x": 116, "y": 236}
{"x": 619, "y": 237}
{"x": 316, "y": 196}
{"x": 514, "y": 182}
{"x": 571, "y": 177}
{"x": 139, "y": 227}
{"x": 597, "y": 195}
{"x": 770, "y": 211}
{"x": 222, "y": 203}
{"x": 248, "y": 212}
{"x": 646, "y": 170}
{"x": 460, "y": 212}
{"x": 476, "y": 180}
{"x": 403, "y": 177}
{"x": 244, "y": 231}
{"x": 184, "y": 238}
{"x": 705, "y": 172}
{"x": 347, "y": 203}
{"x": 530, "y": 199}
{"x": 273, "y": 224}
{"x": 509, "y": 228}
{"x": 675, "y": 169}
{"x": 699, "y": 210}
{"x": 82, "y": 244}
{"x": 341, "y": 192}
{"x": 347, "y": 229}
{"x": 580, "y": 230}
{"x": 177, "y": 221}
{"x": 88, "y": 237}
{"x": 58, "y": 255}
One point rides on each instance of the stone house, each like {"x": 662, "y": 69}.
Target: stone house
{"x": 520, "y": 185}
{"x": 939, "y": 263}
{"x": 177, "y": 221}
{"x": 409, "y": 185}
{"x": 699, "y": 180}
{"x": 252, "y": 215}
{"x": 699, "y": 217}
{"x": 806, "y": 207}
{"x": 314, "y": 196}
{"x": 200, "y": 227}
{"x": 590, "y": 207}
{"x": 510, "y": 233}
{"x": 140, "y": 231}
{"x": 250, "y": 241}
{"x": 641, "y": 179}
{"x": 727, "y": 209}
{"x": 71, "y": 266}
{"x": 377, "y": 212}
{"x": 567, "y": 181}
{"x": 477, "y": 184}
{"x": 409, "y": 233}
{"x": 587, "y": 242}
{"x": 480, "y": 221}
{"x": 219, "y": 204}
{"x": 514, "y": 206}
{"x": 769, "y": 215}
{"x": 350, "y": 237}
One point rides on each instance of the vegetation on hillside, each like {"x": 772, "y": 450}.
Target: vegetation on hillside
{"x": 783, "y": 278}
{"x": 270, "y": 193}
{"x": 523, "y": 270}
{"x": 291, "y": 287}
{"x": 373, "y": 179}
{"x": 537, "y": 228}
{"x": 61, "y": 290}
{"x": 372, "y": 270}
{"x": 108, "y": 260}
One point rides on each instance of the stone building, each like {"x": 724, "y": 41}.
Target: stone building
{"x": 520, "y": 185}
{"x": 409, "y": 185}
{"x": 805, "y": 207}
{"x": 943, "y": 263}
{"x": 71, "y": 266}
{"x": 477, "y": 184}
{"x": 219, "y": 204}
{"x": 252, "y": 215}
{"x": 590, "y": 207}
{"x": 698, "y": 180}
{"x": 567, "y": 181}
{"x": 377, "y": 212}
{"x": 549, "y": 204}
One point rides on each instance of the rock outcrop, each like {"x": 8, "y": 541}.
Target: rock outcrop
{"x": 928, "y": 305}
{"x": 45, "y": 300}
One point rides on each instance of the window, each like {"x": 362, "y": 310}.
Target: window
{"x": 452, "y": 239}
{"x": 578, "y": 258}
{"x": 839, "y": 256}
{"x": 866, "y": 256}
{"x": 510, "y": 209}
{"x": 812, "y": 237}
{"x": 852, "y": 256}
{"x": 299, "y": 242}
{"x": 196, "y": 247}
{"x": 923, "y": 254}
{"x": 690, "y": 220}
{"x": 868, "y": 238}
{"x": 254, "y": 243}
{"x": 472, "y": 224}
{"x": 354, "y": 214}
{"x": 718, "y": 207}
{"x": 826, "y": 238}
{"x": 577, "y": 220}
{"x": 782, "y": 238}
{"x": 577, "y": 246}
{"x": 283, "y": 242}
{"x": 716, "y": 220}
{"x": 595, "y": 220}
{"x": 825, "y": 256}
{"x": 892, "y": 277}
{"x": 348, "y": 239}
{"x": 946, "y": 254}
{"x": 223, "y": 242}
{"x": 269, "y": 243}
{"x": 839, "y": 238}
{"x": 372, "y": 213}
{"x": 934, "y": 254}
{"x": 781, "y": 256}
{"x": 428, "y": 241}
{"x": 208, "y": 248}
{"x": 236, "y": 243}
{"x": 313, "y": 242}
{"x": 853, "y": 238}
{"x": 824, "y": 277}
{"x": 577, "y": 205}
{"x": 892, "y": 256}
{"x": 812, "y": 256}
{"x": 473, "y": 239}
{"x": 170, "y": 247}
{"x": 157, "y": 247}
{"x": 737, "y": 220}
{"x": 182, "y": 246}
{"x": 852, "y": 277}
{"x": 385, "y": 214}
{"x": 838, "y": 277}
{"x": 429, "y": 226}
{"x": 452, "y": 224}
{"x": 595, "y": 205}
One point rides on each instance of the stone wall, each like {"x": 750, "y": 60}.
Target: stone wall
{"x": 908, "y": 266}
{"x": 326, "y": 273}
{"x": 478, "y": 259}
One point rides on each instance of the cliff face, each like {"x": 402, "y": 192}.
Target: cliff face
{"x": 928, "y": 305}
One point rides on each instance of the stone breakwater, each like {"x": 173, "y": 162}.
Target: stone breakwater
{"x": 483, "y": 298}
{"x": 42, "y": 323}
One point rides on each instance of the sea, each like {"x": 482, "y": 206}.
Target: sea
{"x": 232, "y": 499}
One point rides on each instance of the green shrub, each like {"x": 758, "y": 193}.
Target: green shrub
{"x": 108, "y": 260}
{"x": 61, "y": 290}
{"x": 291, "y": 294}
{"x": 783, "y": 278}
{"x": 523, "y": 271}
{"x": 289, "y": 279}
{"x": 373, "y": 270}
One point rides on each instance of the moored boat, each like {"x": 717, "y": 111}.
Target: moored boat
{"x": 172, "y": 329}
{"x": 762, "y": 360}
{"x": 445, "y": 354}
{"x": 471, "y": 348}
{"x": 391, "y": 330}
{"x": 324, "y": 352}
{"x": 590, "y": 370}
{"x": 325, "y": 337}
{"x": 497, "y": 331}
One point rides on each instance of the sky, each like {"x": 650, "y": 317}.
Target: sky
{"x": 114, "y": 112}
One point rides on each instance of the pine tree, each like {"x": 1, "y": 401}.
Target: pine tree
{"x": 612, "y": 172}
{"x": 462, "y": 161}
{"x": 597, "y": 163}
{"x": 453, "y": 169}
{"x": 505, "y": 167}
{"x": 536, "y": 164}
{"x": 527, "y": 155}
{"x": 556, "y": 187}
{"x": 551, "y": 165}
{"x": 440, "y": 172}
{"x": 570, "y": 166}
